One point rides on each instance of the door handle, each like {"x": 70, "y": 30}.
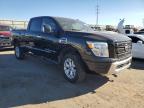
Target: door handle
{"x": 63, "y": 40}
{"x": 38, "y": 36}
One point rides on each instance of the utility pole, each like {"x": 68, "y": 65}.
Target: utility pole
{"x": 143, "y": 22}
{"x": 97, "y": 14}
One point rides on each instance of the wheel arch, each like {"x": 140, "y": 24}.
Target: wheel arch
{"x": 70, "y": 50}
{"x": 66, "y": 50}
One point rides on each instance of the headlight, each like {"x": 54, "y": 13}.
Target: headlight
{"x": 99, "y": 48}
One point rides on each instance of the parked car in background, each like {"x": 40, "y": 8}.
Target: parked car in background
{"x": 109, "y": 28}
{"x": 5, "y": 36}
{"x": 137, "y": 45}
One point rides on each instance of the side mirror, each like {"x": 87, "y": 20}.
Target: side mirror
{"x": 47, "y": 29}
{"x": 140, "y": 42}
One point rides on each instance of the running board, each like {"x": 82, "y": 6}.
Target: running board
{"x": 43, "y": 58}
{"x": 49, "y": 60}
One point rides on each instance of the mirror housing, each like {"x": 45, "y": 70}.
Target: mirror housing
{"x": 47, "y": 29}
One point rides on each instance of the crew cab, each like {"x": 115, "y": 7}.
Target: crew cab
{"x": 74, "y": 45}
{"x": 5, "y": 36}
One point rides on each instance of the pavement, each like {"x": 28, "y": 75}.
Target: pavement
{"x": 36, "y": 83}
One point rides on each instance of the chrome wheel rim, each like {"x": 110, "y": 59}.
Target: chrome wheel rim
{"x": 69, "y": 68}
{"x": 17, "y": 51}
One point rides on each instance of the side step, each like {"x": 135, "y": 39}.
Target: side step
{"x": 44, "y": 58}
{"x": 49, "y": 60}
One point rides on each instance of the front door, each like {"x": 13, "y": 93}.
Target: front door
{"x": 49, "y": 40}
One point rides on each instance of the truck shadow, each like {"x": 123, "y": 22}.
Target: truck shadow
{"x": 34, "y": 81}
{"x": 6, "y": 49}
{"x": 138, "y": 64}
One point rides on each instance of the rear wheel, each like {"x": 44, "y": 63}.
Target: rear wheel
{"x": 19, "y": 52}
{"x": 73, "y": 68}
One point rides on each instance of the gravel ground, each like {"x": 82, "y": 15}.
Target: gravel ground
{"x": 35, "y": 83}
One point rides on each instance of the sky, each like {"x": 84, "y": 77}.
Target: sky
{"x": 110, "y": 11}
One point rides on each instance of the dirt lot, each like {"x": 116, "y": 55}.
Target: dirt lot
{"x": 34, "y": 83}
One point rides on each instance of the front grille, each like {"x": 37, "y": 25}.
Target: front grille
{"x": 4, "y": 37}
{"x": 123, "y": 49}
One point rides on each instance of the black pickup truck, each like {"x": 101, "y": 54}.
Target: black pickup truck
{"x": 74, "y": 45}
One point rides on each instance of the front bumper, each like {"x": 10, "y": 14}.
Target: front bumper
{"x": 109, "y": 67}
{"x": 5, "y": 42}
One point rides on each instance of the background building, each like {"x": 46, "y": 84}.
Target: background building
{"x": 14, "y": 23}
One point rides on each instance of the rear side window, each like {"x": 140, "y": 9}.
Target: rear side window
{"x": 36, "y": 25}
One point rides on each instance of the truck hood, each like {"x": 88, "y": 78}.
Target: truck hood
{"x": 101, "y": 35}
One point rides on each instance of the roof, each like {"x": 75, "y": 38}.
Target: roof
{"x": 53, "y": 17}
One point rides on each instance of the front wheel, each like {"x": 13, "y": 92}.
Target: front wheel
{"x": 73, "y": 68}
{"x": 19, "y": 53}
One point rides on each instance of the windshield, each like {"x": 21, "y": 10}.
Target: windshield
{"x": 73, "y": 25}
{"x": 4, "y": 28}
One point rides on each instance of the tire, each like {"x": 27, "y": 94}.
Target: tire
{"x": 19, "y": 53}
{"x": 73, "y": 68}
